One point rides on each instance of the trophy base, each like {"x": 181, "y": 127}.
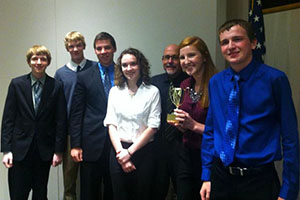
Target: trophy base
{"x": 171, "y": 118}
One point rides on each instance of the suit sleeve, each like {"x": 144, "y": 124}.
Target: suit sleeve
{"x": 77, "y": 112}
{"x": 111, "y": 116}
{"x": 8, "y": 118}
{"x": 61, "y": 121}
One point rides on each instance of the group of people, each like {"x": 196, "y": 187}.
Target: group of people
{"x": 109, "y": 120}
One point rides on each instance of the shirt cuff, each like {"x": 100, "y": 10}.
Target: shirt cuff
{"x": 288, "y": 192}
{"x": 205, "y": 174}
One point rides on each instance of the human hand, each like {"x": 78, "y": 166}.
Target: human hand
{"x": 179, "y": 120}
{"x": 279, "y": 198}
{"x": 185, "y": 121}
{"x": 128, "y": 167}
{"x": 7, "y": 159}
{"x": 57, "y": 159}
{"x": 176, "y": 122}
{"x": 205, "y": 190}
{"x": 123, "y": 156}
{"x": 76, "y": 154}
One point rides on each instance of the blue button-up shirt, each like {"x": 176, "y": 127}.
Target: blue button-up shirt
{"x": 110, "y": 72}
{"x": 267, "y": 122}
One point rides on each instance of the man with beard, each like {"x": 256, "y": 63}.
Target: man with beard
{"x": 168, "y": 138}
{"x": 90, "y": 143}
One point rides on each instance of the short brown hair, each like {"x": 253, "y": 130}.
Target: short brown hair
{"x": 242, "y": 23}
{"x": 38, "y": 50}
{"x": 105, "y": 36}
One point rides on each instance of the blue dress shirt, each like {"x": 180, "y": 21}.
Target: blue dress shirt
{"x": 267, "y": 123}
{"x": 111, "y": 69}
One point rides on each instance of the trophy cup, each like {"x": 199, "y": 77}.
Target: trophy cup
{"x": 176, "y": 97}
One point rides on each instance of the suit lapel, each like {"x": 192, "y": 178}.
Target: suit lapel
{"x": 99, "y": 84}
{"x": 28, "y": 93}
{"x": 46, "y": 93}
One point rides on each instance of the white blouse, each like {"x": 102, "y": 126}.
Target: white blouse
{"x": 132, "y": 114}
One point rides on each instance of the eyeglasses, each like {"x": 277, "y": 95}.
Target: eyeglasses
{"x": 167, "y": 57}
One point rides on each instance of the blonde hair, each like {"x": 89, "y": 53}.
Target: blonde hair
{"x": 74, "y": 36}
{"x": 38, "y": 50}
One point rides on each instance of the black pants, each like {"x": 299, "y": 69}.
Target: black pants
{"x": 189, "y": 174}
{"x": 32, "y": 173}
{"x": 95, "y": 174}
{"x": 166, "y": 164}
{"x": 262, "y": 184}
{"x": 136, "y": 185}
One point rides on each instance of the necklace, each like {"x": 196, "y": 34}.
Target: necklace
{"x": 195, "y": 96}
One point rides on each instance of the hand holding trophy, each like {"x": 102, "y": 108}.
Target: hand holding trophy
{"x": 176, "y": 97}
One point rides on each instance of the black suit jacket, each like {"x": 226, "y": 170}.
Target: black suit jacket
{"x": 162, "y": 82}
{"x": 21, "y": 125}
{"x": 87, "y": 114}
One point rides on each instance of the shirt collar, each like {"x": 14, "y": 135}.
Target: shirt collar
{"x": 73, "y": 66}
{"x": 245, "y": 73}
{"x": 34, "y": 80}
{"x": 140, "y": 86}
{"x": 177, "y": 80}
{"x": 110, "y": 67}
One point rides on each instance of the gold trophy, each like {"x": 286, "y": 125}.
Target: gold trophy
{"x": 176, "y": 97}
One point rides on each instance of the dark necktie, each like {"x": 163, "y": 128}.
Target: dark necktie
{"x": 37, "y": 90}
{"x": 78, "y": 68}
{"x": 169, "y": 131}
{"x": 107, "y": 84}
{"x": 232, "y": 124}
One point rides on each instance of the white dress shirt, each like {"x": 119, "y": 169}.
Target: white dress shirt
{"x": 73, "y": 66}
{"x": 132, "y": 114}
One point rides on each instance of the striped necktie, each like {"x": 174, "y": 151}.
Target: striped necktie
{"x": 169, "y": 132}
{"x": 232, "y": 124}
{"x": 37, "y": 91}
{"x": 107, "y": 84}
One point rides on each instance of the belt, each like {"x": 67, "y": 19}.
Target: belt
{"x": 244, "y": 171}
{"x": 237, "y": 171}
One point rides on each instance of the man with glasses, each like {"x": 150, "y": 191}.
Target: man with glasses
{"x": 168, "y": 138}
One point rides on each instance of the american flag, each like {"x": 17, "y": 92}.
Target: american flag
{"x": 255, "y": 17}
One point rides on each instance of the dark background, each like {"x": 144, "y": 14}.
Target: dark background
{"x": 275, "y": 3}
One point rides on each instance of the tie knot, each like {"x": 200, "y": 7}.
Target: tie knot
{"x": 37, "y": 84}
{"x": 106, "y": 70}
{"x": 78, "y": 68}
{"x": 236, "y": 77}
